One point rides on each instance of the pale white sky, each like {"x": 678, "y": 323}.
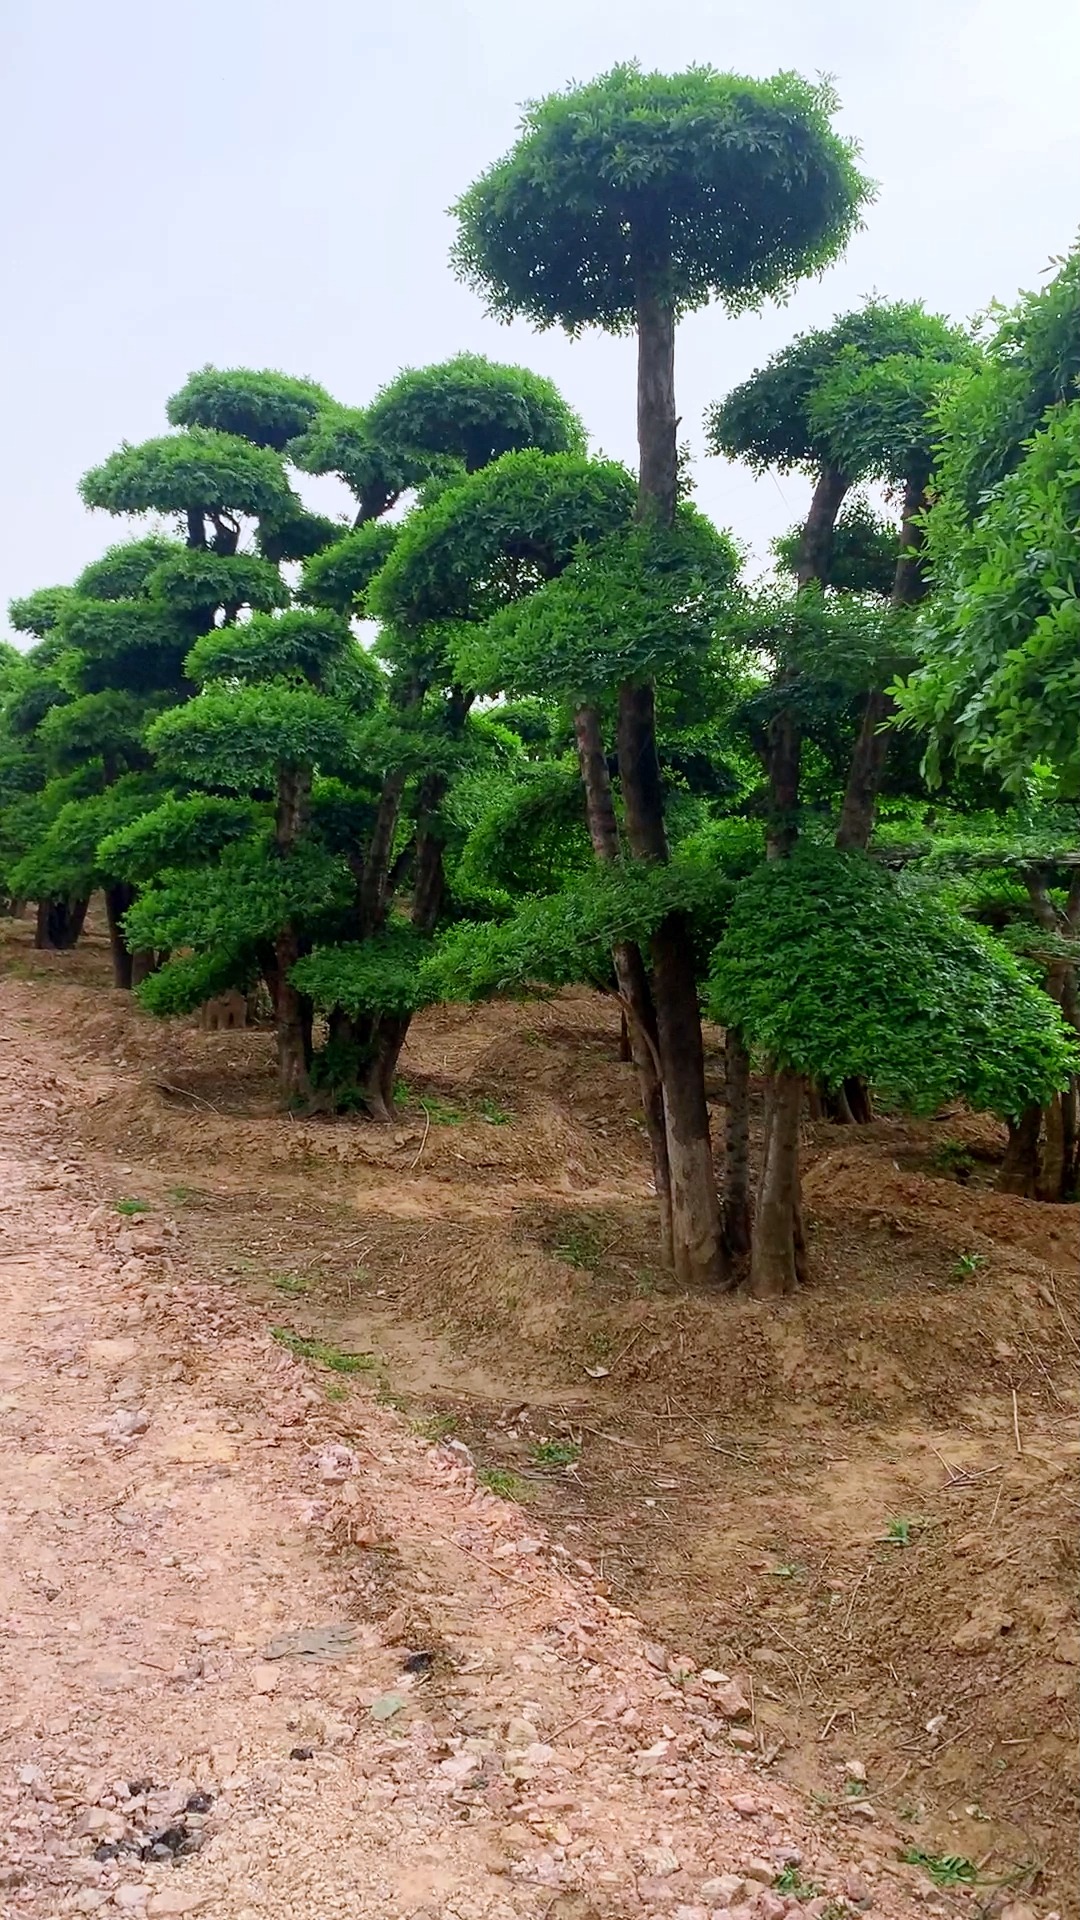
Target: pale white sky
{"x": 264, "y": 183}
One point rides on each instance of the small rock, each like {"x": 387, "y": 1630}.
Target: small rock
{"x": 982, "y": 1629}
{"x": 89, "y": 1899}
{"x": 336, "y": 1463}
{"x": 387, "y": 1704}
{"x": 762, "y": 1871}
{"x": 660, "y": 1861}
{"x": 769, "y": 1906}
{"x": 127, "y": 1423}
{"x": 854, "y": 1770}
{"x": 173, "y": 1901}
{"x": 745, "y": 1804}
{"x": 723, "y": 1890}
{"x": 301, "y": 1753}
{"x": 656, "y": 1893}
{"x": 1018, "y": 1910}
{"x": 862, "y": 1810}
{"x": 521, "y": 1733}
{"x": 744, "y": 1738}
{"x": 732, "y": 1702}
{"x": 713, "y": 1677}
{"x": 655, "y": 1655}
{"x": 264, "y": 1677}
{"x": 857, "y": 1891}
{"x": 131, "y": 1896}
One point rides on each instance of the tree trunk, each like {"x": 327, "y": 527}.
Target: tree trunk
{"x": 736, "y": 1211}
{"x": 778, "y": 1256}
{"x": 815, "y": 545}
{"x": 695, "y": 1210}
{"x": 1020, "y": 1167}
{"x": 59, "y": 923}
{"x": 639, "y": 1014}
{"x": 294, "y": 1061}
{"x": 118, "y": 899}
{"x": 783, "y": 759}
{"x": 872, "y": 745}
{"x": 292, "y": 1013}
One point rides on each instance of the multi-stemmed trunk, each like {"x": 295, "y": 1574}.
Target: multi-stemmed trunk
{"x": 697, "y": 1244}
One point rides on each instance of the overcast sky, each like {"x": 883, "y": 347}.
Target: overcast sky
{"x": 265, "y": 184}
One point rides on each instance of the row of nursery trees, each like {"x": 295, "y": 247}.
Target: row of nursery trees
{"x": 523, "y": 722}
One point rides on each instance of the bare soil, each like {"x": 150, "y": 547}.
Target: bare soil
{"x": 860, "y": 1504}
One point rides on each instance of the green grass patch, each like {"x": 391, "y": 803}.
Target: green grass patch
{"x": 338, "y": 1359}
{"x": 132, "y": 1207}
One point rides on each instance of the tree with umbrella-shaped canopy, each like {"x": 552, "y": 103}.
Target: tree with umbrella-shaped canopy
{"x": 625, "y": 203}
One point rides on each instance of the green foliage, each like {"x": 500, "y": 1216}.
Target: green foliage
{"x": 199, "y": 470}
{"x": 136, "y": 645}
{"x": 290, "y": 532}
{"x": 474, "y": 410}
{"x": 237, "y": 737}
{"x": 106, "y": 730}
{"x": 66, "y": 859}
{"x": 338, "y": 1359}
{"x": 1030, "y": 364}
{"x": 769, "y": 421}
{"x": 1000, "y": 680}
{"x": 267, "y": 408}
{"x": 247, "y": 897}
{"x": 316, "y": 647}
{"x": 123, "y": 571}
{"x": 490, "y": 540}
{"x": 194, "y": 580}
{"x": 527, "y": 834}
{"x": 864, "y": 552}
{"x": 188, "y": 980}
{"x": 181, "y": 831}
{"x": 39, "y": 613}
{"x": 341, "y": 574}
{"x": 632, "y": 607}
{"x": 377, "y": 976}
{"x": 878, "y": 421}
{"x": 836, "y": 969}
{"x": 567, "y": 937}
{"x": 687, "y": 187}
{"x": 339, "y": 440}
{"x": 945, "y": 1869}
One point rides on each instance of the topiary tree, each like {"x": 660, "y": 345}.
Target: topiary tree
{"x": 836, "y": 969}
{"x": 625, "y": 203}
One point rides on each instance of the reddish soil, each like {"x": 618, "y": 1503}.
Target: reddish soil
{"x": 860, "y": 1503}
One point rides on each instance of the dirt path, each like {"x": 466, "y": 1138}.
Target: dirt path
{"x": 180, "y": 1495}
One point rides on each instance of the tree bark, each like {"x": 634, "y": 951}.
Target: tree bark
{"x": 737, "y": 1216}
{"x": 695, "y": 1209}
{"x": 118, "y": 899}
{"x": 815, "y": 545}
{"x": 639, "y": 1014}
{"x": 872, "y": 745}
{"x": 1020, "y": 1167}
{"x": 59, "y": 923}
{"x": 777, "y": 1260}
{"x": 292, "y": 1014}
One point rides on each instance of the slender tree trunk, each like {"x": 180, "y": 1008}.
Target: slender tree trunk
{"x": 872, "y": 745}
{"x": 1020, "y": 1167}
{"x": 695, "y": 1209}
{"x": 292, "y": 1014}
{"x": 778, "y": 1254}
{"x": 816, "y": 543}
{"x": 118, "y": 899}
{"x": 737, "y": 1210}
{"x": 639, "y": 1015}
